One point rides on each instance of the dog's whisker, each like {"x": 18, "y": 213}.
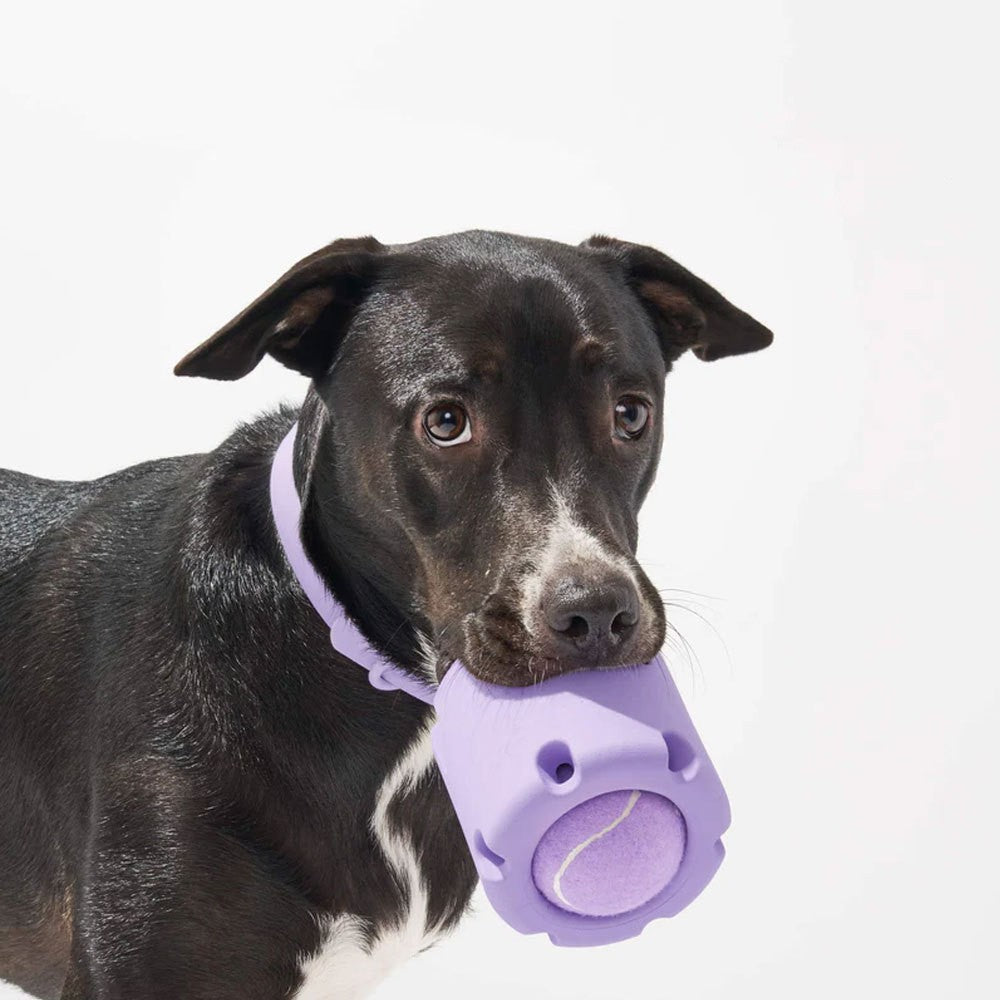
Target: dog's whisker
{"x": 685, "y": 652}
{"x": 693, "y": 593}
{"x": 705, "y": 620}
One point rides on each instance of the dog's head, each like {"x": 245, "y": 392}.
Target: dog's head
{"x": 485, "y": 423}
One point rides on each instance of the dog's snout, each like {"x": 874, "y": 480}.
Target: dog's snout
{"x": 593, "y": 620}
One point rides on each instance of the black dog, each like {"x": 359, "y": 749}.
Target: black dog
{"x": 198, "y": 798}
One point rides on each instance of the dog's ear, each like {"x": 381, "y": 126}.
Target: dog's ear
{"x": 687, "y": 312}
{"x": 299, "y": 320}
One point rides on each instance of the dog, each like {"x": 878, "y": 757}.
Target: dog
{"x": 200, "y": 798}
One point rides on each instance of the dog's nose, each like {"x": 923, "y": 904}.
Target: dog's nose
{"x": 595, "y": 621}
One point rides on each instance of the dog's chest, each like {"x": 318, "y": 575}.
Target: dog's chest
{"x": 347, "y": 966}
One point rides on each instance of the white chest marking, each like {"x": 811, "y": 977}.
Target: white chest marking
{"x": 8, "y": 991}
{"x": 344, "y": 967}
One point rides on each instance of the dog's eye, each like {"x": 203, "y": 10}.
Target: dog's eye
{"x": 447, "y": 424}
{"x": 631, "y": 417}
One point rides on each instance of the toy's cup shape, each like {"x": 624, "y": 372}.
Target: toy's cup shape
{"x": 588, "y": 801}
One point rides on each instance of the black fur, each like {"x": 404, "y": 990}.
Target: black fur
{"x": 187, "y": 770}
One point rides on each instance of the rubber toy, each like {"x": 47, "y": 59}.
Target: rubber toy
{"x": 587, "y": 801}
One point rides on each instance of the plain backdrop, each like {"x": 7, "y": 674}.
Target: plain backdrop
{"x": 826, "y": 510}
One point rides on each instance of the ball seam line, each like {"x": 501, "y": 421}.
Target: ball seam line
{"x": 575, "y": 853}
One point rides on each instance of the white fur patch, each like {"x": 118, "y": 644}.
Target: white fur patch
{"x": 8, "y": 991}
{"x": 428, "y": 656}
{"x": 345, "y": 967}
{"x": 566, "y": 542}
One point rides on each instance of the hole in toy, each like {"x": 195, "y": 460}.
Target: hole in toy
{"x": 556, "y": 762}
{"x": 681, "y": 758}
{"x": 490, "y": 863}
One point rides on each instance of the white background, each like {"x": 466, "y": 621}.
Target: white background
{"x": 830, "y": 167}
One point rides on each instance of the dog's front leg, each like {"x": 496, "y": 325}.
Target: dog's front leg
{"x": 172, "y": 902}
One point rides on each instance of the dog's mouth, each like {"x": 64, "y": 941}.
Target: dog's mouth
{"x": 496, "y": 646}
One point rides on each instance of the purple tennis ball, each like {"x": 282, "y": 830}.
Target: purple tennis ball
{"x": 610, "y": 854}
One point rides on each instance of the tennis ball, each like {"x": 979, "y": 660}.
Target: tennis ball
{"x": 610, "y": 854}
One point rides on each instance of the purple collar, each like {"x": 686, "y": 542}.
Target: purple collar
{"x": 344, "y": 634}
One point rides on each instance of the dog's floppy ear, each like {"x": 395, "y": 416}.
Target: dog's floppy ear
{"x": 299, "y": 320}
{"x": 688, "y": 313}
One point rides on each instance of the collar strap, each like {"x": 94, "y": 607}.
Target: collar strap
{"x": 345, "y": 636}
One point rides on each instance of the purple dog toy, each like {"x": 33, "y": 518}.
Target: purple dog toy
{"x": 588, "y": 801}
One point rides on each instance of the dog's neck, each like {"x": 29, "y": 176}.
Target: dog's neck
{"x": 345, "y": 636}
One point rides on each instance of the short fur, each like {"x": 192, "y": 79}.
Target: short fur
{"x": 200, "y": 799}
